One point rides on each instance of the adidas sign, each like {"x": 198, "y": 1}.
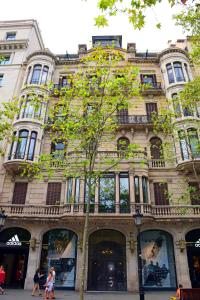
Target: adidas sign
{"x": 14, "y": 241}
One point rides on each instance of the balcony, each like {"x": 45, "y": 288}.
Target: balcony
{"x": 136, "y": 120}
{"x": 189, "y": 165}
{"x": 52, "y": 212}
{"x": 153, "y": 88}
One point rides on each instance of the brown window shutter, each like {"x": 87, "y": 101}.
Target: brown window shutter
{"x": 160, "y": 192}
{"x": 19, "y": 194}
{"x": 53, "y": 193}
{"x": 151, "y": 107}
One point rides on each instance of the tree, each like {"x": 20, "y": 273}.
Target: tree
{"x": 84, "y": 119}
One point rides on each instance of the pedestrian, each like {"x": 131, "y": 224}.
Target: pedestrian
{"x": 2, "y": 279}
{"x": 178, "y": 292}
{"x": 36, "y": 286}
{"x": 54, "y": 279}
{"x": 48, "y": 294}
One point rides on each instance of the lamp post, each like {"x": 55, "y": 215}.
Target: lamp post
{"x": 2, "y": 219}
{"x": 138, "y": 222}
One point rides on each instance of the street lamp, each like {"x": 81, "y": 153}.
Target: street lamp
{"x": 138, "y": 222}
{"x": 2, "y": 219}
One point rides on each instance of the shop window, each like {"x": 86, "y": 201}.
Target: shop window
{"x": 137, "y": 189}
{"x": 161, "y": 193}
{"x": 178, "y": 70}
{"x": 107, "y": 193}
{"x": 32, "y": 144}
{"x": 183, "y": 145}
{"x": 19, "y": 194}
{"x": 53, "y": 193}
{"x": 194, "y": 193}
{"x": 158, "y": 265}
{"x": 156, "y": 148}
{"x": 59, "y": 249}
{"x": 21, "y": 144}
{"x": 145, "y": 189}
{"x": 170, "y": 73}
{"x": 36, "y": 74}
{"x": 194, "y": 142}
{"x": 124, "y": 197}
{"x": 44, "y": 76}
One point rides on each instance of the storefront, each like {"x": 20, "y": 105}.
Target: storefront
{"x": 193, "y": 253}
{"x": 14, "y": 251}
{"x": 107, "y": 261}
{"x": 158, "y": 264}
{"x": 59, "y": 248}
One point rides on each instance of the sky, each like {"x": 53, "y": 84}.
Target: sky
{"x": 66, "y": 23}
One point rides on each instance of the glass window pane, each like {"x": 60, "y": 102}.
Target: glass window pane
{"x": 11, "y": 154}
{"x": 21, "y": 144}
{"x": 69, "y": 190}
{"x": 32, "y": 145}
{"x": 44, "y": 75}
{"x": 178, "y": 72}
{"x": 92, "y": 196}
{"x": 137, "y": 189}
{"x": 183, "y": 145}
{"x": 124, "y": 193}
{"x": 77, "y": 190}
{"x": 36, "y": 74}
{"x": 170, "y": 73}
{"x": 194, "y": 142}
{"x": 107, "y": 193}
{"x": 145, "y": 189}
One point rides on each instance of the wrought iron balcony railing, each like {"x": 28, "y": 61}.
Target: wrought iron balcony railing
{"x": 134, "y": 119}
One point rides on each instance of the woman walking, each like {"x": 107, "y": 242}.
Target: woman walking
{"x": 49, "y": 286}
{"x": 36, "y": 279}
{"x": 2, "y": 279}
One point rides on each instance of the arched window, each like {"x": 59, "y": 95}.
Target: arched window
{"x": 178, "y": 70}
{"x": 122, "y": 144}
{"x": 36, "y": 74}
{"x": 170, "y": 73}
{"x": 32, "y": 144}
{"x": 183, "y": 145}
{"x": 156, "y": 148}
{"x": 21, "y": 144}
{"x": 28, "y": 78}
{"x": 194, "y": 142}
{"x": 44, "y": 74}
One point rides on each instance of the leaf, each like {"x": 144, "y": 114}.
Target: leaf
{"x": 158, "y": 25}
{"x": 101, "y": 21}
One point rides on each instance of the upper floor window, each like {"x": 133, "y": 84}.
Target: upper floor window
{"x": 10, "y": 36}
{"x": 107, "y": 193}
{"x": 170, "y": 73}
{"x": 64, "y": 81}
{"x": 149, "y": 79}
{"x": 124, "y": 193}
{"x": 53, "y": 193}
{"x": 183, "y": 145}
{"x": 194, "y": 192}
{"x": 194, "y": 142}
{"x": 32, "y": 144}
{"x": 28, "y": 78}
{"x": 145, "y": 189}
{"x": 31, "y": 109}
{"x": 1, "y": 80}
{"x": 36, "y": 74}
{"x": 137, "y": 189}
{"x": 45, "y": 71}
{"x": 178, "y": 70}
{"x": 161, "y": 193}
{"x": 19, "y": 193}
{"x": 21, "y": 144}
{"x": 176, "y": 105}
{"x": 187, "y": 72}
{"x": 4, "y": 60}
{"x": 151, "y": 108}
{"x": 58, "y": 149}
{"x": 122, "y": 144}
{"x": 156, "y": 148}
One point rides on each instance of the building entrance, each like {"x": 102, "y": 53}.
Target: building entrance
{"x": 14, "y": 250}
{"x": 193, "y": 253}
{"x": 107, "y": 261}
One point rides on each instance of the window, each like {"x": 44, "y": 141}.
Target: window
{"x": 36, "y": 74}
{"x": 10, "y": 36}
{"x": 124, "y": 193}
{"x": 64, "y": 81}
{"x": 32, "y": 144}
{"x": 186, "y": 71}
{"x": 69, "y": 189}
{"x": 122, "y": 115}
{"x": 150, "y": 109}
{"x": 137, "y": 189}
{"x": 145, "y": 189}
{"x": 156, "y": 148}
{"x": 44, "y": 75}
{"x": 178, "y": 71}
{"x": 58, "y": 150}
{"x": 77, "y": 190}
{"x": 194, "y": 193}
{"x": 92, "y": 195}
{"x": 28, "y": 78}
{"x": 1, "y": 80}
{"x": 122, "y": 144}
{"x": 149, "y": 79}
{"x": 21, "y": 144}
{"x": 107, "y": 193}
{"x": 194, "y": 142}
{"x": 19, "y": 194}
{"x": 170, "y": 73}
{"x": 53, "y": 193}
{"x": 183, "y": 145}
{"x": 161, "y": 193}
{"x": 176, "y": 105}
{"x": 4, "y": 60}
{"x": 31, "y": 109}
{"x": 10, "y": 156}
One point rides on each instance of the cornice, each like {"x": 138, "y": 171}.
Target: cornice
{"x": 42, "y": 52}
{"x": 149, "y": 60}
{"x": 13, "y": 45}
{"x": 173, "y": 50}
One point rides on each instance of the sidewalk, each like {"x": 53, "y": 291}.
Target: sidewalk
{"x": 71, "y": 295}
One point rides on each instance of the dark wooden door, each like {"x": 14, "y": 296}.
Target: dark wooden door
{"x": 53, "y": 193}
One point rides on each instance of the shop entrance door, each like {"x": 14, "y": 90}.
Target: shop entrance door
{"x": 193, "y": 253}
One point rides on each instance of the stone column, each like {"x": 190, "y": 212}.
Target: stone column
{"x": 131, "y": 263}
{"x": 33, "y": 259}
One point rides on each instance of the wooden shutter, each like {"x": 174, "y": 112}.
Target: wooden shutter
{"x": 195, "y": 195}
{"x": 19, "y": 194}
{"x": 53, "y": 193}
{"x": 160, "y": 193}
{"x": 151, "y": 107}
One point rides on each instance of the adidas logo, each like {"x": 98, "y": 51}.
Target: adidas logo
{"x": 197, "y": 244}
{"x": 14, "y": 241}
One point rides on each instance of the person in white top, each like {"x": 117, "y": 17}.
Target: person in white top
{"x": 52, "y": 269}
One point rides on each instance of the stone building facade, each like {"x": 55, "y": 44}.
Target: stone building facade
{"x": 44, "y": 227}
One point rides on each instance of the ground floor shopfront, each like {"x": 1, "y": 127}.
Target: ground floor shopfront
{"x": 170, "y": 254}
